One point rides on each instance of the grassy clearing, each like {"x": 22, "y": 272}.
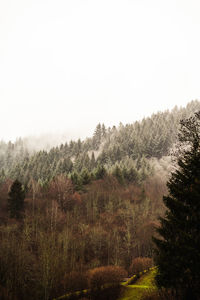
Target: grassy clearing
{"x": 137, "y": 290}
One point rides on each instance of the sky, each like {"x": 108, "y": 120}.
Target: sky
{"x": 66, "y": 65}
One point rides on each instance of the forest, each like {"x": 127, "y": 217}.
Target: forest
{"x": 84, "y": 205}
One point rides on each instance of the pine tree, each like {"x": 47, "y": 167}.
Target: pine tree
{"x": 16, "y": 200}
{"x": 178, "y": 249}
{"x": 97, "y": 137}
{"x": 76, "y": 180}
{"x": 92, "y": 162}
{"x": 100, "y": 172}
{"x": 103, "y": 129}
{"x": 117, "y": 172}
{"x": 85, "y": 176}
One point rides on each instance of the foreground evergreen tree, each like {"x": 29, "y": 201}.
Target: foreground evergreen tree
{"x": 178, "y": 250}
{"x": 16, "y": 200}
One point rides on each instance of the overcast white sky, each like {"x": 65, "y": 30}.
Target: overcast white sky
{"x": 66, "y": 65}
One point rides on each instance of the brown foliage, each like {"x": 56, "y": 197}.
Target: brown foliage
{"x": 61, "y": 189}
{"x": 155, "y": 188}
{"x": 77, "y": 198}
{"x": 75, "y": 281}
{"x": 4, "y": 189}
{"x": 140, "y": 264}
{"x": 106, "y": 275}
{"x": 144, "y": 235}
{"x": 133, "y": 192}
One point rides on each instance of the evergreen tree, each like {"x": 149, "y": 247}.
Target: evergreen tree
{"x": 85, "y": 176}
{"x": 103, "y": 158}
{"x": 103, "y": 129}
{"x": 100, "y": 172}
{"x": 97, "y": 137}
{"x": 117, "y": 172}
{"x": 76, "y": 180}
{"x": 16, "y": 200}
{"x": 178, "y": 249}
{"x": 92, "y": 161}
{"x": 131, "y": 175}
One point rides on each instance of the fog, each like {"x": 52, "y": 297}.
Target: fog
{"x": 68, "y": 65}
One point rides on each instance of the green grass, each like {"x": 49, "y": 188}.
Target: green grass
{"x": 137, "y": 290}
{"x": 129, "y": 292}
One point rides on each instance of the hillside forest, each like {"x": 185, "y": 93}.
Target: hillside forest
{"x": 84, "y": 204}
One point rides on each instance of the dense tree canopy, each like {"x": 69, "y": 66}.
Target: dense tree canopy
{"x": 88, "y": 204}
{"x": 126, "y": 147}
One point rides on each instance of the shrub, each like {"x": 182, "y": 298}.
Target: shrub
{"x": 106, "y": 275}
{"x": 140, "y": 264}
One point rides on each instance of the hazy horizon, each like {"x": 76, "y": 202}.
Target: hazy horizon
{"x": 46, "y": 140}
{"x": 68, "y": 65}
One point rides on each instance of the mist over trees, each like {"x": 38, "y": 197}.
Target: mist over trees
{"x": 89, "y": 204}
{"x": 126, "y": 147}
